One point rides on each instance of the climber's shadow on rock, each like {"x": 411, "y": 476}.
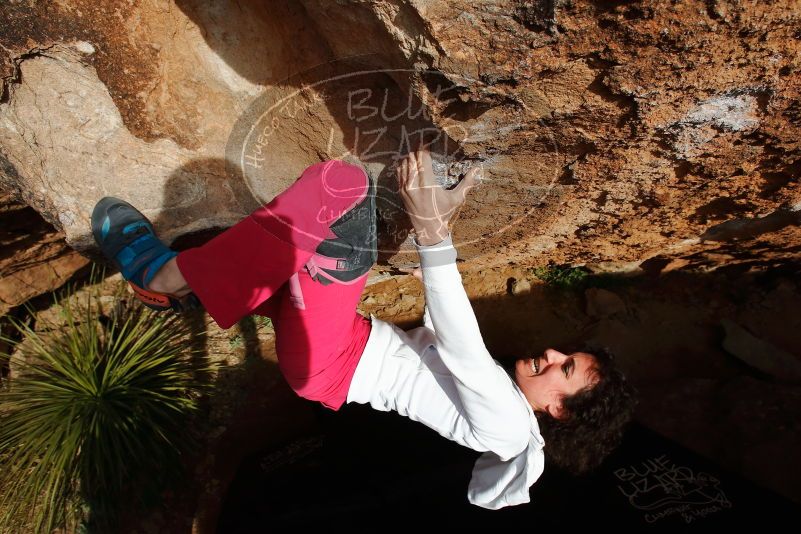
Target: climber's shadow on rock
{"x": 320, "y": 101}
{"x": 193, "y": 194}
{"x": 251, "y": 400}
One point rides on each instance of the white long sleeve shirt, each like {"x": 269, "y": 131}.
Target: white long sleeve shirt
{"x": 442, "y": 375}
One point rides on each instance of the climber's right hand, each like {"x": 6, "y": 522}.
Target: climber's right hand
{"x": 429, "y": 206}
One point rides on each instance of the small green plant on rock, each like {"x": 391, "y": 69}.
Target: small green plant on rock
{"x": 236, "y": 342}
{"x": 263, "y": 322}
{"x": 562, "y": 277}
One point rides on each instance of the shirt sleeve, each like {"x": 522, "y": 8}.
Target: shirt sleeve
{"x": 493, "y": 408}
{"x": 496, "y": 483}
{"x": 427, "y": 318}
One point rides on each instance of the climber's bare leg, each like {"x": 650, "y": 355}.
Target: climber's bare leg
{"x": 169, "y": 279}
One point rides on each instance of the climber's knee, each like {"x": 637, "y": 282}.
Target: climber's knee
{"x": 344, "y": 184}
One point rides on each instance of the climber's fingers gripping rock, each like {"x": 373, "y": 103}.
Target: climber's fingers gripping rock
{"x": 429, "y": 206}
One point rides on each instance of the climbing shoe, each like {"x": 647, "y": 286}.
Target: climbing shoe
{"x": 127, "y": 239}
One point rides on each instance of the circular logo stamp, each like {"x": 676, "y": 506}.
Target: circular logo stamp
{"x": 374, "y": 118}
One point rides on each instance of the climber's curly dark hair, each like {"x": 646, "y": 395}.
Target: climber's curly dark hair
{"x": 595, "y": 417}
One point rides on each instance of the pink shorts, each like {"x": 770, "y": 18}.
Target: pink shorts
{"x": 246, "y": 270}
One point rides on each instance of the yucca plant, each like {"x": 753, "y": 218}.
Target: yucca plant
{"x": 99, "y": 415}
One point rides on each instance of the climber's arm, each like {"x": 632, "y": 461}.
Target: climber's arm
{"x": 493, "y": 408}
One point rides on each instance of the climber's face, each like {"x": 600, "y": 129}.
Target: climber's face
{"x": 560, "y": 375}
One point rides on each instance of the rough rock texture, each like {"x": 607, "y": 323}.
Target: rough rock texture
{"x": 646, "y": 137}
{"x": 34, "y": 259}
{"x": 619, "y": 134}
